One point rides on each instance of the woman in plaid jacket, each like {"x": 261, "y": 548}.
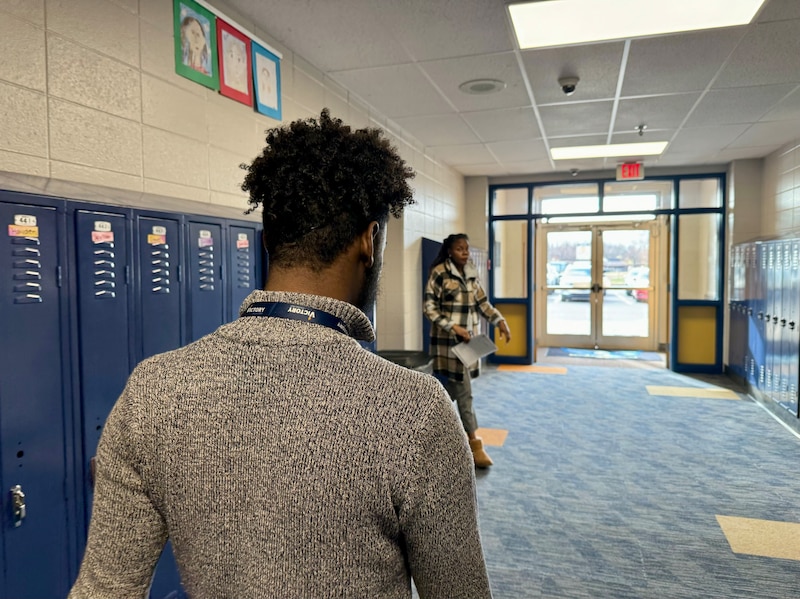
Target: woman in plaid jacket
{"x": 453, "y": 298}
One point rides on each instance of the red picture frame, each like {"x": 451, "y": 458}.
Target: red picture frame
{"x": 235, "y": 64}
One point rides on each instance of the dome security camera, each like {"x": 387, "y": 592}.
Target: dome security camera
{"x": 568, "y": 85}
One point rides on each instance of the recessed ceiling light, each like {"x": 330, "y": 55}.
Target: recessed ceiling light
{"x": 650, "y": 148}
{"x": 564, "y": 22}
{"x": 479, "y": 87}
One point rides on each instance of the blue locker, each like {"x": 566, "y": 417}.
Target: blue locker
{"x": 38, "y": 553}
{"x": 243, "y": 265}
{"x": 159, "y": 292}
{"x": 101, "y": 246}
{"x": 792, "y": 345}
{"x": 205, "y": 247}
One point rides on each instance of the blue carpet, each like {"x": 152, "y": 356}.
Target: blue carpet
{"x": 604, "y": 491}
{"x": 604, "y": 354}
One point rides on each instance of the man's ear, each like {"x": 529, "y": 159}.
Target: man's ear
{"x": 368, "y": 239}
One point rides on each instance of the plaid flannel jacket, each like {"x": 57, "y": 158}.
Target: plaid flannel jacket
{"x": 452, "y": 299}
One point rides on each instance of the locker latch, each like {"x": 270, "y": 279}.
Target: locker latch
{"x": 18, "y": 504}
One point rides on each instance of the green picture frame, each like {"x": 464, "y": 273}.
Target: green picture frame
{"x": 196, "y": 43}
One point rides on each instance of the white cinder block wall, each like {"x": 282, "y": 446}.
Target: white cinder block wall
{"x": 89, "y": 94}
{"x": 780, "y": 206}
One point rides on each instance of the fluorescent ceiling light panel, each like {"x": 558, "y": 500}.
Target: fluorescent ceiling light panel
{"x": 564, "y": 22}
{"x": 650, "y": 148}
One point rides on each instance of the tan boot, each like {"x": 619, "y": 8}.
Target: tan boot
{"x": 479, "y": 455}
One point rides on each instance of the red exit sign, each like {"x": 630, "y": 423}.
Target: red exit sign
{"x": 630, "y": 171}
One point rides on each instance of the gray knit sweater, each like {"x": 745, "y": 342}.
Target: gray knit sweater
{"x": 283, "y": 460}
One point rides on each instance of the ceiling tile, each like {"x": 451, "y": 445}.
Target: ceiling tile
{"x": 677, "y": 63}
{"x": 632, "y": 137}
{"x": 701, "y": 140}
{"x": 509, "y": 151}
{"x": 504, "y": 125}
{"x": 657, "y": 112}
{"x": 480, "y": 170}
{"x": 528, "y": 167}
{"x": 597, "y": 66}
{"x": 767, "y": 133}
{"x": 769, "y": 53}
{"x": 397, "y": 91}
{"x": 737, "y": 105}
{"x": 786, "y": 110}
{"x": 745, "y": 153}
{"x": 577, "y": 140}
{"x": 447, "y": 129}
{"x": 780, "y": 10}
{"x": 434, "y": 30}
{"x": 462, "y": 154}
{"x": 448, "y": 74}
{"x": 582, "y": 117}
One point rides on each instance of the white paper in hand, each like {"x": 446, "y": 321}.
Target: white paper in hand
{"x": 478, "y": 347}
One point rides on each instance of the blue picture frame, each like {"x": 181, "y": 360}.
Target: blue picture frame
{"x": 266, "y": 81}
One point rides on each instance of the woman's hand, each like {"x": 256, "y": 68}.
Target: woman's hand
{"x": 505, "y": 332}
{"x": 461, "y": 333}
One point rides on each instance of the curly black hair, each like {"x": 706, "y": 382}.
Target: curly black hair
{"x": 320, "y": 184}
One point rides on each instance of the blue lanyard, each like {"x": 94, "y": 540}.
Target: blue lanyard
{"x": 296, "y": 312}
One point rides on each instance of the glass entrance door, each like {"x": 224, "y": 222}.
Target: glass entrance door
{"x": 594, "y": 288}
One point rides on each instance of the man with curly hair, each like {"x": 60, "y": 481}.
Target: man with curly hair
{"x": 279, "y": 457}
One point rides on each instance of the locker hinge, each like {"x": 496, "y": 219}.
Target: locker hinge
{"x": 180, "y": 274}
{"x": 58, "y": 276}
{"x": 127, "y": 274}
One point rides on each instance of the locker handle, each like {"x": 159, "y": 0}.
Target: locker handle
{"x": 749, "y": 311}
{"x": 767, "y": 317}
{"x": 761, "y": 316}
{"x": 791, "y": 325}
{"x": 775, "y": 320}
{"x": 783, "y": 322}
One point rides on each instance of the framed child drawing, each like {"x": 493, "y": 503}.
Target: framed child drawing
{"x": 195, "y": 43}
{"x": 267, "y": 81}
{"x": 235, "y": 64}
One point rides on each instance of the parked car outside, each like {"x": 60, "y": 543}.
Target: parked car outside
{"x": 638, "y": 276}
{"x": 578, "y": 278}
{"x": 641, "y": 295}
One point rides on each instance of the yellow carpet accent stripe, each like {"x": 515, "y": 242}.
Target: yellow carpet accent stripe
{"x": 492, "y": 436}
{"x": 767, "y": 538}
{"x": 692, "y": 392}
{"x": 537, "y": 369}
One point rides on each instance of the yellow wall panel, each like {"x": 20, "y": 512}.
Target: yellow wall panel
{"x": 697, "y": 334}
{"x": 516, "y": 316}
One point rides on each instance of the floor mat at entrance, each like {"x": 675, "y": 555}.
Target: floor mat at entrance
{"x": 604, "y": 354}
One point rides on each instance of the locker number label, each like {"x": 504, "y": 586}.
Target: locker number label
{"x": 154, "y": 239}
{"x": 242, "y": 241}
{"x": 204, "y": 239}
{"x": 159, "y": 230}
{"x": 25, "y": 220}
{"x": 102, "y": 225}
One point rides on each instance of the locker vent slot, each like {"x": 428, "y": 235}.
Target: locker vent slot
{"x": 159, "y": 271}
{"x": 104, "y": 271}
{"x": 206, "y": 268}
{"x": 26, "y": 266}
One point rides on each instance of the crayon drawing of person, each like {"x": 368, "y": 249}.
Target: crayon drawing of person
{"x": 267, "y": 88}
{"x": 234, "y": 54}
{"x": 194, "y": 42}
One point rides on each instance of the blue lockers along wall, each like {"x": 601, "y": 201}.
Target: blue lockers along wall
{"x": 90, "y": 291}
{"x": 205, "y": 270}
{"x": 35, "y": 423}
{"x": 244, "y": 265}
{"x": 160, "y": 294}
{"x": 102, "y": 265}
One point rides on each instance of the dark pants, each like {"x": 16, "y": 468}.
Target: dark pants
{"x": 461, "y": 393}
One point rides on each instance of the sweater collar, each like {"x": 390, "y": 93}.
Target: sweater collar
{"x": 356, "y": 321}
